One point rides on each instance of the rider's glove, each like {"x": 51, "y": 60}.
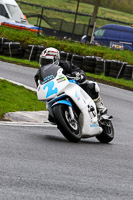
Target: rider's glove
{"x": 79, "y": 77}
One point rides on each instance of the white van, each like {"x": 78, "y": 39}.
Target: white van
{"x": 11, "y": 12}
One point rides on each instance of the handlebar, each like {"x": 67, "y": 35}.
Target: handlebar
{"x": 72, "y": 77}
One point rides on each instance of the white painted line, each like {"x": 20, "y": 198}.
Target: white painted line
{"x": 20, "y": 84}
{"x": 21, "y": 124}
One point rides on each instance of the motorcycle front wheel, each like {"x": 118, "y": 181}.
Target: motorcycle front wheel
{"x": 69, "y": 128}
{"x": 108, "y": 132}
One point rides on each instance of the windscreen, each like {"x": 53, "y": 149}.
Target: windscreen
{"x": 99, "y": 33}
{"x": 3, "y": 11}
{"x": 16, "y": 13}
{"x": 48, "y": 72}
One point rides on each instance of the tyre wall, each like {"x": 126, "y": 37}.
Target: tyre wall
{"x": 91, "y": 64}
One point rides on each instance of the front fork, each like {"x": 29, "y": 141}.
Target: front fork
{"x": 71, "y": 112}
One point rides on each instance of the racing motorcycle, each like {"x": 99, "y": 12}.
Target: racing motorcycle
{"x": 72, "y": 109}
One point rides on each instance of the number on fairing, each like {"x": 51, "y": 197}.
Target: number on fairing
{"x": 50, "y": 86}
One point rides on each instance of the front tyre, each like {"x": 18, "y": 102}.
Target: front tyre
{"x": 69, "y": 128}
{"x": 108, "y": 132}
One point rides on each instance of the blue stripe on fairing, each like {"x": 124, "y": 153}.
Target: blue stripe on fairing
{"x": 62, "y": 102}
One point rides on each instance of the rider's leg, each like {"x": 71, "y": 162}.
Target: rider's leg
{"x": 100, "y": 106}
{"x": 93, "y": 90}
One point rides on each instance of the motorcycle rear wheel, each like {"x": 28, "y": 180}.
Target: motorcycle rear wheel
{"x": 70, "y": 129}
{"x": 108, "y": 132}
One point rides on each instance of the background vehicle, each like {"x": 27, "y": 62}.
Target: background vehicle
{"x": 11, "y": 12}
{"x": 12, "y": 16}
{"x": 115, "y": 36}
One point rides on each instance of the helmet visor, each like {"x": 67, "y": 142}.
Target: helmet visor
{"x": 44, "y": 61}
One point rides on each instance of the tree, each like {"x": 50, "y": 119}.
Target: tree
{"x": 93, "y": 20}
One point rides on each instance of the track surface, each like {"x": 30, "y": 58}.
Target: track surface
{"x": 37, "y": 162}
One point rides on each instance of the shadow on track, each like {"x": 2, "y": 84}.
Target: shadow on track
{"x": 82, "y": 141}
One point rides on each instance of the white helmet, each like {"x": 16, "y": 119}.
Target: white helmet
{"x": 48, "y": 56}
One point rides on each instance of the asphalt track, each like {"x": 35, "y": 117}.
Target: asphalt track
{"x": 37, "y": 162}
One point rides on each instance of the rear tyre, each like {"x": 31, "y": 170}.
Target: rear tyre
{"x": 69, "y": 128}
{"x": 108, "y": 132}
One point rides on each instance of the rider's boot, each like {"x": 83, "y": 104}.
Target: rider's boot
{"x": 100, "y": 106}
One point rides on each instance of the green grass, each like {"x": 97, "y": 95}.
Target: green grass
{"x": 108, "y": 80}
{"x": 19, "y": 61}
{"x": 14, "y": 98}
{"x": 17, "y": 98}
{"x": 122, "y": 83}
{"x": 26, "y": 37}
{"x": 71, "y": 5}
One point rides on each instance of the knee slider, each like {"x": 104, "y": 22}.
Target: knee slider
{"x": 97, "y": 89}
{"x": 94, "y": 86}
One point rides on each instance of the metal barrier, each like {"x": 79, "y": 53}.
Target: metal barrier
{"x": 61, "y": 27}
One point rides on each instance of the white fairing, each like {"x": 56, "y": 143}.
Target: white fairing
{"x": 88, "y": 118}
{"x": 52, "y": 88}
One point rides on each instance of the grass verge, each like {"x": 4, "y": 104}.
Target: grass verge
{"x": 17, "y": 98}
{"x": 19, "y": 61}
{"x": 121, "y": 83}
{"x": 71, "y": 5}
{"x": 26, "y": 37}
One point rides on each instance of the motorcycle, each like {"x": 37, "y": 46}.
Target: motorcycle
{"x": 72, "y": 109}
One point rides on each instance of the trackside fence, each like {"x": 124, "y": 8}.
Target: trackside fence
{"x": 45, "y": 17}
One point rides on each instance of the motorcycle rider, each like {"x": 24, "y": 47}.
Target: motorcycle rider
{"x": 51, "y": 55}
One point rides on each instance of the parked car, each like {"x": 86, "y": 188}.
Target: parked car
{"x": 115, "y": 36}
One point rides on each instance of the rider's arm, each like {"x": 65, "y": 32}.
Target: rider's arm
{"x": 69, "y": 68}
{"x": 65, "y": 65}
{"x": 76, "y": 71}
